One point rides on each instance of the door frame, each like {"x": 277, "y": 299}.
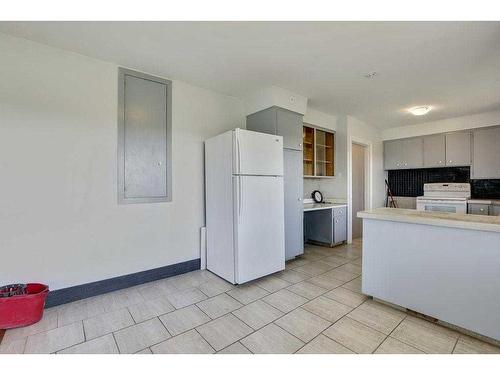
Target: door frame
{"x": 368, "y": 179}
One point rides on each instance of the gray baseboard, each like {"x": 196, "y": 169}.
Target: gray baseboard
{"x": 77, "y": 292}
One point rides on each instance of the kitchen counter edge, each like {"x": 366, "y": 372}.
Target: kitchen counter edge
{"x": 444, "y": 219}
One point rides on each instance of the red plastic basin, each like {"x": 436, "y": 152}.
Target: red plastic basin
{"x": 23, "y": 310}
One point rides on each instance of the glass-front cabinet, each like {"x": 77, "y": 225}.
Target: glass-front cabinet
{"x": 319, "y": 152}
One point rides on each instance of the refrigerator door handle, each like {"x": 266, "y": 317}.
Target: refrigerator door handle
{"x": 239, "y": 153}
{"x": 239, "y": 199}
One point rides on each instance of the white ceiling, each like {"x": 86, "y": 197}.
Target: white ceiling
{"x": 453, "y": 66}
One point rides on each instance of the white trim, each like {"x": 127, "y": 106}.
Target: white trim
{"x": 203, "y": 248}
{"x": 368, "y": 179}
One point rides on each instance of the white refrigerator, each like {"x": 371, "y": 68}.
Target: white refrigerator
{"x": 244, "y": 205}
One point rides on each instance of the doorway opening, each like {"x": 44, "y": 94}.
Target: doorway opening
{"x": 358, "y": 188}
{"x": 359, "y": 185}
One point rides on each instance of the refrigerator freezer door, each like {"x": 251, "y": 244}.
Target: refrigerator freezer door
{"x": 257, "y": 154}
{"x": 259, "y": 226}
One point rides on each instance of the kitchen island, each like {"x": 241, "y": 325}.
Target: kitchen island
{"x": 444, "y": 265}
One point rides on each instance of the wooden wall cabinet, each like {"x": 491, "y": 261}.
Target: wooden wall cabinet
{"x": 318, "y": 152}
{"x": 308, "y": 150}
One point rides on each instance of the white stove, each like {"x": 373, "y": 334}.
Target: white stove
{"x": 445, "y": 197}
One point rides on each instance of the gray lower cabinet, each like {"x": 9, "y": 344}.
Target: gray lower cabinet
{"x": 486, "y": 153}
{"x": 293, "y": 186}
{"x": 279, "y": 121}
{"x": 434, "y": 150}
{"x": 458, "y": 149}
{"x": 483, "y": 209}
{"x": 328, "y": 226}
{"x": 339, "y": 225}
{"x": 478, "y": 209}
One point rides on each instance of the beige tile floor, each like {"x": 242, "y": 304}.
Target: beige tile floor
{"x": 314, "y": 306}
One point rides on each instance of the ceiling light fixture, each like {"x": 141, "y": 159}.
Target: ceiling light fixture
{"x": 420, "y": 111}
{"x": 371, "y": 74}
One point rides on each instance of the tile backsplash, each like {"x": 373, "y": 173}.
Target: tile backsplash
{"x": 410, "y": 182}
{"x": 485, "y": 189}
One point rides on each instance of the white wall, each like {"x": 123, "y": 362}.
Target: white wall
{"x": 442, "y": 126}
{"x": 59, "y": 219}
{"x": 275, "y": 96}
{"x": 335, "y": 187}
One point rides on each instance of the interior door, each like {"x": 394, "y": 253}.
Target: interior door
{"x": 145, "y": 143}
{"x": 358, "y": 188}
{"x": 257, "y": 154}
{"x": 259, "y": 226}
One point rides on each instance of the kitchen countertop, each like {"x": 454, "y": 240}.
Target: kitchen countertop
{"x": 444, "y": 219}
{"x": 322, "y": 206}
{"x": 495, "y": 202}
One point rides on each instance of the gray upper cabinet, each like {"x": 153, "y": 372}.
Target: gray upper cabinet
{"x": 486, "y": 153}
{"x": 289, "y": 126}
{"x": 143, "y": 138}
{"x": 393, "y": 154}
{"x": 279, "y": 121}
{"x": 263, "y": 121}
{"x": 434, "y": 150}
{"x": 413, "y": 153}
{"x": 403, "y": 153}
{"x": 431, "y": 151}
{"x": 458, "y": 149}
